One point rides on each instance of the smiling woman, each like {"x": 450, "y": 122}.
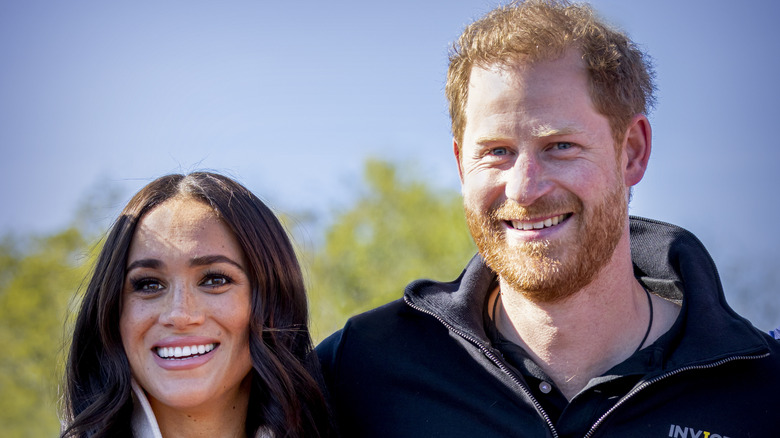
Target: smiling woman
{"x": 194, "y": 322}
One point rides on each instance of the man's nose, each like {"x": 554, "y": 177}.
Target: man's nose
{"x": 182, "y": 308}
{"x": 526, "y": 180}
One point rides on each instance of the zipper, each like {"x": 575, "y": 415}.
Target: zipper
{"x": 654, "y": 380}
{"x": 486, "y": 351}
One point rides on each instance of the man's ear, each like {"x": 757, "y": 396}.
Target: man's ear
{"x": 456, "y": 151}
{"x": 636, "y": 149}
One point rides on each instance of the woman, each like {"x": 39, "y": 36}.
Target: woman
{"x": 194, "y": 322}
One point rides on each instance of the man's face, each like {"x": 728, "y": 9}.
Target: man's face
{"x": 543, "y": 189}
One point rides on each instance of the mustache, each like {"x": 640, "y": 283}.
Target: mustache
{"x": 509, "y": 209}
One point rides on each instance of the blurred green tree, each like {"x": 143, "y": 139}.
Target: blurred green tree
{"x": 38, "y": 278}
{"x": 399, "y": 229}
{"x": 40, "y": 285}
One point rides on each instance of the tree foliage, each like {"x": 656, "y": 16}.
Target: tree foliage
{"x": 38, "y": 279}
{"x": 397, "y": 231}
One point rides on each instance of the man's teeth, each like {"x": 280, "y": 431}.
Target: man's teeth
{"x": 183, "y": 352}
{"x": 550, "y": 222}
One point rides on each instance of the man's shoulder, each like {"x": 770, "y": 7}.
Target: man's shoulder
{"x": 758, "y": 368}
{"x": 366, "y": 322}
{"x": 379, "y": 342}
{"x": 373, "y": 327}
{"x": 760, "y": 372}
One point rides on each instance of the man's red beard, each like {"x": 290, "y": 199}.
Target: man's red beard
{"x": 545, "y": 270}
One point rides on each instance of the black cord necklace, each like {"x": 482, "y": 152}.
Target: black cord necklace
{"x": 647, "y": 332}
{"x": 649, "y": 323}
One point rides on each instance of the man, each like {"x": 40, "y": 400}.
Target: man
{"x": 573, "y": 320}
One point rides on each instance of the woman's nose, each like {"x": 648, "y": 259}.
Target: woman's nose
{"x": 182, "y": 308}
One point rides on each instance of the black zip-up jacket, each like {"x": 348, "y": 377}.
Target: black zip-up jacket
{"x": 424, "y": 366}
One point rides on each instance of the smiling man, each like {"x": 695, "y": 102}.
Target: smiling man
{"x": 573, "y": 319}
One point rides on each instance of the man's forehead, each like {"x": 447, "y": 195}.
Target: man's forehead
{"x": 508, "y": 88}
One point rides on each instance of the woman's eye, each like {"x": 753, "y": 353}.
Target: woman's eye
{"x": 149, "y": 285}
{"x": 216, "y": 280}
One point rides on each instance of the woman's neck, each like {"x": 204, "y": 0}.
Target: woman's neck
{"x": 225, "y": 418}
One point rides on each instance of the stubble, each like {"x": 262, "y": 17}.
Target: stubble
{"x": 544, "y": 270}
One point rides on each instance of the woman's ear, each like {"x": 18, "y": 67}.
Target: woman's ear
{"x": 636, "y": 150}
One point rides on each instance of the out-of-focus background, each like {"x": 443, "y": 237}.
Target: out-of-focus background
{"x": 333, "y": 113}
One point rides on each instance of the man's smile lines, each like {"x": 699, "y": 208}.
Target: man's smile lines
{"x": 184, "y": 352}
{"x": 547, "y": 223}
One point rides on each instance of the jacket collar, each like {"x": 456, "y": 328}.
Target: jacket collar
{"x": 143, "y": 422}
{"x": 673, "y": 263}
{"x": 669, "y": 260}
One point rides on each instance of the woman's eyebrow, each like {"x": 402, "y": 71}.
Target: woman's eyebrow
{"x": 211, "y": 259}
{"x": 145, "y": 263}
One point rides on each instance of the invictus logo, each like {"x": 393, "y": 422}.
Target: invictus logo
{"x": 676, "y": 431}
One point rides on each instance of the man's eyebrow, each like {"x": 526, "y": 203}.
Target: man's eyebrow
{"x": 144, "y": 263}
{"x": 542, "y": 131}
{"x": 211, "y": 259}
{"x": 487, "y": 140}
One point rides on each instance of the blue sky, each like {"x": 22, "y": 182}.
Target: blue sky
{"x": 292, "y": 97}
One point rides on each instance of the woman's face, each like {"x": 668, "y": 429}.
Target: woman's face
{"x": 186, "y": 309}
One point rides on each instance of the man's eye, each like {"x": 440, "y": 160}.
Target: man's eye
{"x": 499, "y": 151}
{"x": 562, "y": 146}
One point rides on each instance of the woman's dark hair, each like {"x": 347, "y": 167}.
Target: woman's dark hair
{"x": 285, "y": 395}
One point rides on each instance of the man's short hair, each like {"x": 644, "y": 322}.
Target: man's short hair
{"x": 619, "y": 74}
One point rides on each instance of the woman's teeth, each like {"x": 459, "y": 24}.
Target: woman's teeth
{"x": 184, "y": 352}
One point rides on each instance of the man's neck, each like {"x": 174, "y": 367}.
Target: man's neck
{"x": 586, "y": 334}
